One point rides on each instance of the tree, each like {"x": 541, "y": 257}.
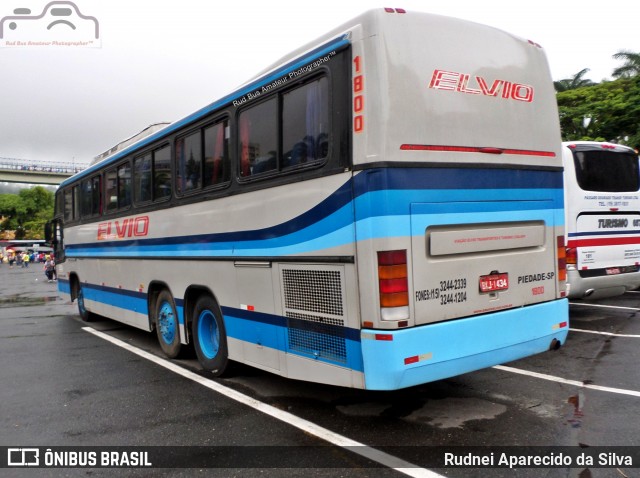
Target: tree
{"x": 613, "y": 108}
{"x": 27, "y": 212}
{"x": 631, "y": 65}
{"x": 577, "y": 81}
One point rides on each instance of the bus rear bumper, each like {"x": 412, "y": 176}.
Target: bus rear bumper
{"x": 404, "y": 358}
{"x": 600, "y": 287}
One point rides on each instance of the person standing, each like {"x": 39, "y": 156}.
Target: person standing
{"x": 49, "y": 267}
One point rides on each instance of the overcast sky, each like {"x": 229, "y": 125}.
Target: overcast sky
{"x": 159, "y": 61}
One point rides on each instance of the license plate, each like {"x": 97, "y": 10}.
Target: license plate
{"x": 494, "y": 282}
{"x": 613, "y": 271}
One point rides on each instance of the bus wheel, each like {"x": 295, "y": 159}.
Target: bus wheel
{"x": 85, "y": 315}
{"x": 166, "y": 320}
{"x": 209, "y": 336}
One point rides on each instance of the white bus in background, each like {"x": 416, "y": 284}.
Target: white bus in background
{"x": 602, "y": 205}
{"x": 380, "y": 209}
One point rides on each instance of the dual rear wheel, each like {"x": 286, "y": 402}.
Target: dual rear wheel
{"x": 207, "y": 331}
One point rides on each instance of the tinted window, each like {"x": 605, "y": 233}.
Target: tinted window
{"x": 305, "y": 123}
{"x": 162, "y": 173}
{"x": 68, "y": 205}
{"x": 111, "y": 179}
{"x": 124, "y": 185}
{"x": 96, "y": 200}
{"x": 259, "y": 138}
{"x": 86, "y": 195}
{"x": 76, "y": 202}
{"x": 189, "y": 159}
{"x": 290, "y": 129}
{"x": 216, "y": 156}
{"x": 142, "y": 178}
{"x": 607, "y": 171}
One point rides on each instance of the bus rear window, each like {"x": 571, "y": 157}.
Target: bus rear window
{"x": 606, "y": 171}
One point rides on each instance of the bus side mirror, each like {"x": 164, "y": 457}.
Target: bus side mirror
{"x": 50, "y": 233}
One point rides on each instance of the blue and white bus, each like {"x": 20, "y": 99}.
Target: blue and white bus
{"x": 602, "y": 206}
{"x": 379, "y": 209}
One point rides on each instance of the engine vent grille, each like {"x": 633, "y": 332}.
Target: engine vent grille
{"x": 313, "y": 290}
{"x": 313, "y": 301}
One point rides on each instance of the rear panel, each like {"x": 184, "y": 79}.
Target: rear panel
{"x": 602, "y": 189}
{"x": 458, "y": 138}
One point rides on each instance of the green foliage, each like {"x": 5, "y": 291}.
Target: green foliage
{"x": 631, "y": 65}
{"x": 612, "y": 109}
{"x": 27, "y": 212}
{"x": 577, "y": 81}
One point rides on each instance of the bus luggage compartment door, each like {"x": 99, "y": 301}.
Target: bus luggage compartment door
{"x": 478, "y": 257}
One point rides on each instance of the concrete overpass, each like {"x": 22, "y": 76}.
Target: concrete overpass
{"x": 25, "y": 171}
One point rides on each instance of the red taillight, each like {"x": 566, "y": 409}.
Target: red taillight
{"x": 562, "y": 259}
{"x": 391, "y": 258}
{"x": 571, "y": 256}
{"x": 393, "y": 284}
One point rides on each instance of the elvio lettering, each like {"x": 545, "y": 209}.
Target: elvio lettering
{"x": 462, "y": 83}
{"x": 129, "y": 227}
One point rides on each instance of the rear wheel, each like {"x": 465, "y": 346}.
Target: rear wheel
{"x": 166, "y": 321}
{"x": 85, "y": 315}
{"x": 209, "y": 336}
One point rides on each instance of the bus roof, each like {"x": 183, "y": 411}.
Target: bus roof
{"x": 382, "y": 25}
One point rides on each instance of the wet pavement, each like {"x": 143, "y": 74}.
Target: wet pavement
{"x": 62, "y": 386}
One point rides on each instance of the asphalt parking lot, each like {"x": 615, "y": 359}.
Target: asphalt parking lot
{"x": 66, "y": 383}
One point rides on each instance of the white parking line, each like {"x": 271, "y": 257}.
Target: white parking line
{"x": 611, "y": 334}
{"x": 306, "y": 426}
{"x": 575, "y": 383}
{"x": 587, "y": 304}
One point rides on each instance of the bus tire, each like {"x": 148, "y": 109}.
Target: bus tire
{"x": 85, "y": 315}
{"x": 167, "y": 324}
{"x": 209, "y": 336}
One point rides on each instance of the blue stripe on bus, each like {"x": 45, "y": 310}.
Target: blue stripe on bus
{"x": 121, "y": 298}
{"x": 254, "y": 327}
{"x": 455, "y": 178}
{"x": 275, "y": 332}
{"x": 309, "y": 57}
{"x": 385, "y": 213}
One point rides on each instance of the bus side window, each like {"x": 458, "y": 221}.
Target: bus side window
{"x": 124, "y": 186}
{"x": 161, "y": 173}
{"x": 142, "y": 178}
{"x": 111, "y": 179}
{"x": 259, "y": 138}
{"x": 68, "y": 205}
{"x": 189, "y": 159}
{"x": 305, "y": 123}
{"x": 216, "y": 159}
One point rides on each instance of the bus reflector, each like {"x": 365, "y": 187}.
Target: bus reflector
{"x": 393, "y": 285}
{"x": 562, "y": 259}
{"x": 386, "y": 337}
{"x": 561, "y": 325}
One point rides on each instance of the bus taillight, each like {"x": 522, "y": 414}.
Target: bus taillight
{"x": 571, "y": 257}
{"x": 562, "y": 259}
{"x": 393, "y": 285}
